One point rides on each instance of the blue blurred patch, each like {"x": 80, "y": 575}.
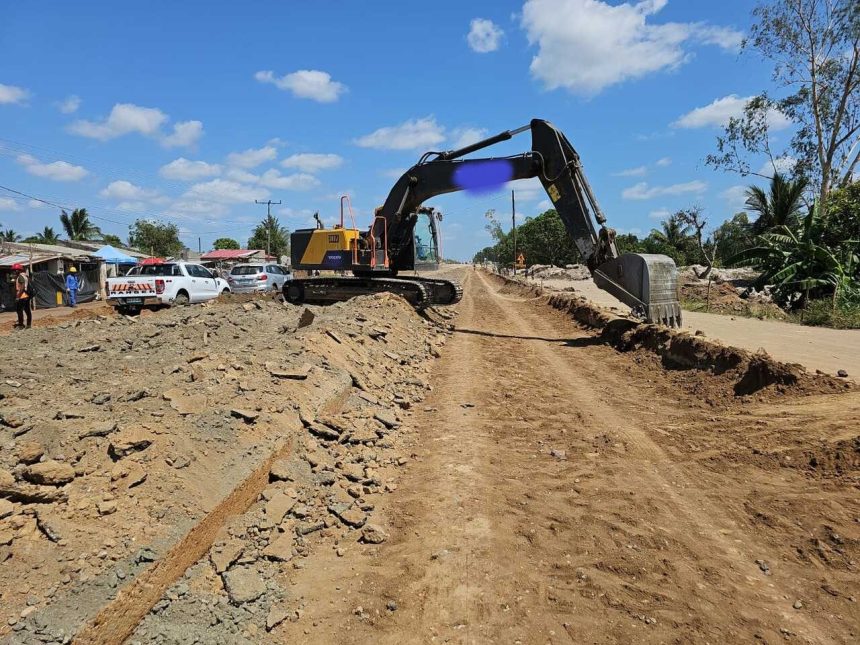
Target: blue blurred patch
{"x": 480, "y": 178}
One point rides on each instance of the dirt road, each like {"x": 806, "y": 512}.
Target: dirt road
{"x": 561, "y": 492}
{"x": 817, "y": 348}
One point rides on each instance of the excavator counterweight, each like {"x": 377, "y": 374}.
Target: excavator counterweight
{"x": 646, "y": 283}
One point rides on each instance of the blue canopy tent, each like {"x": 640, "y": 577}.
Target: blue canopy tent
{"x": 112, "y": 255}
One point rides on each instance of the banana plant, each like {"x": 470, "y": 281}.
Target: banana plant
{"x": 797, "y": 266}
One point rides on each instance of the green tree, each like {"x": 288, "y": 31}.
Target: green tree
{"x": 814, "y": 46}
{"x": 673, "y": 232}
{"x": 544, "y": 240}
{"x": 735, "y": 235}
{"x": 780, "y": 206}
{"x": 271, "y": 236}
{"x": 157, "y": 238}
{"x": 113, "y": 240}
{"x": 225, "y": 243}
{"x": 842, "y": 221}
{"x": 9, "y": 235}
{"x": 629, "y": 243}
{"x": 47, "y": 236}
{"x": 78, "y": 226}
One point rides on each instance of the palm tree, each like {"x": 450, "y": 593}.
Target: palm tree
{"x": 780, "y": 206}
{"x": 674, "y": 232}
{"x": 78, "y": 225}
{"x": 47, "y": 236}
{"x": 9, "y": 235}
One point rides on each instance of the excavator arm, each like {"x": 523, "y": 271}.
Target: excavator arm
{"x": 645, "y": 282}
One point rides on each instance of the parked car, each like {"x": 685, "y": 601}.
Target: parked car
{"x": 247, "y": 278}
{"x": 170, "y": 283}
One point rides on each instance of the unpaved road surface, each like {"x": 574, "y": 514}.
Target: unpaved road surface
{"x": 562, "y": 492}
{"x": 488, "y": 473}
{"x": 816, "y": 348}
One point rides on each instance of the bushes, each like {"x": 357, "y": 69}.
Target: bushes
{"x": 822, "y": 313}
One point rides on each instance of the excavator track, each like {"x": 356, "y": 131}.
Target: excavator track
{"x": 327, "y": 290}
{"x": 442, "y": 292}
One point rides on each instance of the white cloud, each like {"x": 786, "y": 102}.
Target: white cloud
{"x": 12, "y": 94}
{"x": 58, "y": 170}
{"x": 484, "y": 35}
{"x": 9, "y": 204}
{"x": 242, "y": 176}
{"x": 665, "y": 161}
{"x": 638, "y": 171}
{"x": 718, "y": 113}
{"x": 70, "y": 104}
{"x": 224, "y": 191}
{"x": 642, "y": 190}
{"x": 409, "y": 135}
{"x": 725, "y": 37}
{"x": 134, "y": 207}
{"x": 299, "y": 181}
{"x": 736, "y": 196}
{"x": 185, "y": 134}
{"x": 124, "y": 118}
{"x": 306, "y": 84}
{"x": 660, "y": 214}
{"x": 312, "y": 162}
{"x": 184, "y": 169}
{"x": 194, "y": 206}
{"x": 122, "y": 190}
{"x": 545, "y": 205}
{"x": 35, "y": 203}
{"x": 393, "y": 173}
{"x": 526, "y": 190}
{"x": 252, "y": 157}
{"x": 586, "y": 46}
{"x": 127, "y": 118}
{"x": 782, "y": 165}
{"x": 463, "y": 137}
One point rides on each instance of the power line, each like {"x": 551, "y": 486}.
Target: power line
{"x": 268, "y": 204}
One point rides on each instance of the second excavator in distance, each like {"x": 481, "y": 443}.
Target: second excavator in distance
{"x": 378, "y": 257}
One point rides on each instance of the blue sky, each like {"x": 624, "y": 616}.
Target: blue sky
{"x": 189, "y": 111}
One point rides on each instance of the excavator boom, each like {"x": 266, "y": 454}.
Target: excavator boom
{"x": 645, "y": 282}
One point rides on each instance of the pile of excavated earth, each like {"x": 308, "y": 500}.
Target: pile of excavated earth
{"x": 161, "y": 476}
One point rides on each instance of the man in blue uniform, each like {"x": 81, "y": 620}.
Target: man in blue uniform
{"x": 72, "y": 286}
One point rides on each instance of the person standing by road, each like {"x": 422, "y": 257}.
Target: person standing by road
{"x": 72, "y": 286}
{"x": 22, "y": 296}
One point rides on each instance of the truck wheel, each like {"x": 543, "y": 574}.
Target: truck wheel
{"x": 294, "y": 293}
{"x": 181, "y": 299}
{"x": 225, "y": 291}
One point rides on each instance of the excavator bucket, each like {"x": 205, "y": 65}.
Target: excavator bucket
{"x": 648, "y": 283}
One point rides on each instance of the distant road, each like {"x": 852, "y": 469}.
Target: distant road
{"x": 817, "y": 348}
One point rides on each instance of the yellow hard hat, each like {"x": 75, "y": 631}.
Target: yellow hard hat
{"x": 73, "y": 270}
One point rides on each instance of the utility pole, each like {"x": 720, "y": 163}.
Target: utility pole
{"x": 268, "y": 204}
{"x": 514, "y": 228}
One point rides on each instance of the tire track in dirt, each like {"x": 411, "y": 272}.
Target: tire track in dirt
{"x": 550, "y": 512}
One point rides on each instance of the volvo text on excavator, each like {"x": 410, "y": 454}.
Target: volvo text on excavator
{"x": 379, "y": 257}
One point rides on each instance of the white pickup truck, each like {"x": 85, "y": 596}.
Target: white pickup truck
{"x": 170, "y": 283}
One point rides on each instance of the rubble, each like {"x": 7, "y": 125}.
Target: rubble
{"x": 166, "y": 431}
{"x": 50, "y": 472}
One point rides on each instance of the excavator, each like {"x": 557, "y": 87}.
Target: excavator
{"x": 377, "y": 258}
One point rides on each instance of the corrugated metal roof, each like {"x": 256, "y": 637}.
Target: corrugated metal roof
{"x": 54, "y": 249}
{"x": 231, "y": 254}
{"x": 20, "y": 258}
